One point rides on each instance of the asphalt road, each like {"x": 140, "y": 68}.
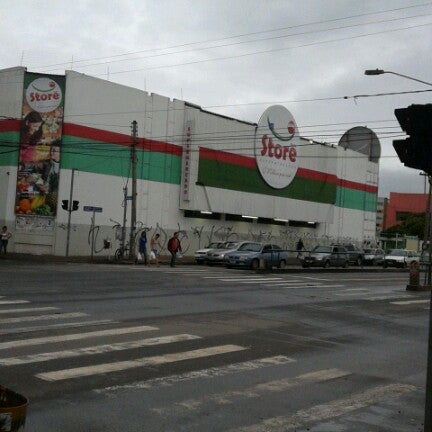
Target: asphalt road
{"x": 193, "y": 348}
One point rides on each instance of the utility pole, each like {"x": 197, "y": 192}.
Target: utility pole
{"x": 70, "y": 211}
{"x": 123, "y": 232}
{"x": 134, "y": 190}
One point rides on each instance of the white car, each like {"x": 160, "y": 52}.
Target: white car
{"x": 400, "y": 258}
{"x": 200, "y": 254}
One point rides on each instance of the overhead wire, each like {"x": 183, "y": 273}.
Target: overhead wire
{"x": 244, "y": 34}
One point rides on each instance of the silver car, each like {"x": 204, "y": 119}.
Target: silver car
{"x": 201, "y": 254}
{"x": 217, "y": 256}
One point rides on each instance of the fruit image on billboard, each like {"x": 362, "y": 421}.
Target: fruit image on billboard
{"x": 40, "y": 142}
{"x": 276, "y": 147}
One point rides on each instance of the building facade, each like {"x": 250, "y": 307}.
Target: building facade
{"x": 68, "y": 138}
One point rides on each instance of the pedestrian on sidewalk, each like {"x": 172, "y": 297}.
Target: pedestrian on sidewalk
{"x": 142, "y": 248}
{"x": 299, "y": 248}
{"x": 154, "y": 242}
{"x": 174, "y": 247}
{"x": 5, "y": 235}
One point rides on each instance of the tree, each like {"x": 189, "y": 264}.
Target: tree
{"x": 413, "y": 225}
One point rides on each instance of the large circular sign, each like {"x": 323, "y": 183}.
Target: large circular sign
{"x": 276, "y": 143}
{"x": 43, "y": 95}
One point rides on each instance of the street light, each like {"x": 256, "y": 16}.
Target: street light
{"x": 381, "y": 71}
{"x": 428, "y": 234}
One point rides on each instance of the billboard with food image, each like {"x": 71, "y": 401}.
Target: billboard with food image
{"x": 40, "y": 143}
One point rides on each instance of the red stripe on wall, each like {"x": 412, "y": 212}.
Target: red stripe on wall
{"x": 10, "y": 125}
{"x": 250, "y": 162}
{"x": 226, "y": 157}
{"x": 120, "y": 139}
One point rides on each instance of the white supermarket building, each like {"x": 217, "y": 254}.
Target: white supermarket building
{"x": 68, "y": 137}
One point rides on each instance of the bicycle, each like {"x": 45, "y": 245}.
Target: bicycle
{"x": 121, "y": 252}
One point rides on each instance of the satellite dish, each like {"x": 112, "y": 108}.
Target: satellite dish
{"x": 362, "y": 140}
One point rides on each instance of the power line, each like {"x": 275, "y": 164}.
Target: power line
{"x": 244, "y": 34}
{"x": 249, "y": 41}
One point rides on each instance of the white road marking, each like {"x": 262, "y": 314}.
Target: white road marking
{"x": 40, "y": 309}
{"x": 42, "y": 317}
{"x": 9, "y": 302}
{"x": 388, "y": 297}
{"x": 256, "y": 391}
{"x": 357, "y": 289}
{"x": 55, "y": 326}
{"x": 408, "y": 302}
{"x": 255, "y": 279}
{"x": 142, "y": 362}
{"x": 326, "y": 411}
{"x": 232, "y": 277}
{"x": 296, "y": 286}
{"x": 203, "y": 374}
{"x": 75, "y": 336}
{"x": 98, "y": 349}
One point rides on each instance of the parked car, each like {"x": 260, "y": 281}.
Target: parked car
{"x": 200, "y": 254}
{"x": 326, "y": 256}
{"x": 355, "y": 254}
{"x": 216, "y": 256}
{"x": 249, "y": 255}
{"x": 374, "y": 256}
{"x": 400, "y": 258}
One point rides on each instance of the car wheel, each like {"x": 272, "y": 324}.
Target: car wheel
{"x": 385, "y": 265}
{"x": 326, "y": 264}
{"x": 282, "y": 264}
{"x": 255, "y": 264}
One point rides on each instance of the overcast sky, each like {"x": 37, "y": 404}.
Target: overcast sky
{"x": 237, "y": 57}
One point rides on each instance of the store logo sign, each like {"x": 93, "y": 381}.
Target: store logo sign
{"x": 275, "y": 147}
{"x": 44, "y": 95}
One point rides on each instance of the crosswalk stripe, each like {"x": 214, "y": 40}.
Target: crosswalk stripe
{"x": 408, "y": 302}
{"x": 256, "y": 279}
{"x": 40, "y": 309}
{"x": 55, "y": 326}
{"x": 98, "y": 349}
{"x": 298, "y": 286}
{"x": 212, "y": 372}
{"x": 9, "y": 302}
{"x": 42, "y": 317}
{"x": 130, "y": 364}
{"x": 326, "y": 411}
{"x": 234, "y": 277}
{"x": 256, "y": 391}
{"x": 75, "y": 336}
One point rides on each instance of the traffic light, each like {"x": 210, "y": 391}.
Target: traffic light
{"x": 415, "y": 151}
{"x": 65, "y": 204}
{"x": 75, "y": 205}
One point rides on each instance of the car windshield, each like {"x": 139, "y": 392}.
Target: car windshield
{"x": 325, "y": 249}
{"x": 251, "y": 247}
{"x": 369, "y": 251}
{"x": 397, "y": 252}
{"x": 214, "y": 245}
{"x": 230, "y": 245}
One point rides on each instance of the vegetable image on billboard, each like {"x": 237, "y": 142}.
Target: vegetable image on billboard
{"x": 276, "y": 144}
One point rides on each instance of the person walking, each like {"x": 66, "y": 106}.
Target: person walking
{"x": 174, "y": 247}
{"x": 299, "y": 248}
{"x": 5, "y": 235}
{"x": 154, "y": 242}
{"x": 142, "y": 248}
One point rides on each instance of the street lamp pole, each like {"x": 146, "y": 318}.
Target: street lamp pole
{"x": 381, "y": 71}
{"x": 428, "y": 235}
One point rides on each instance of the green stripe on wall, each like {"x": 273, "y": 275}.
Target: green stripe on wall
{"x": 111, "y": 159}
{"x": 236, "y": 177}
{"x": 356, "y": 200}
{"x": 9, "y": 142}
